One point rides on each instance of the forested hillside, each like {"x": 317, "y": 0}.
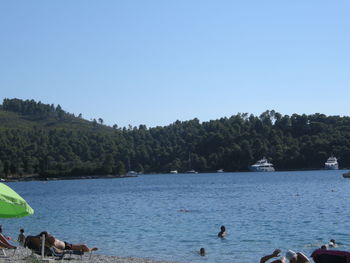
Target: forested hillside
{"x": 36, "y": 138}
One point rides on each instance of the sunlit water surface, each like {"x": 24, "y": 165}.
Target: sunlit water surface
{"x": 171, "y": 217}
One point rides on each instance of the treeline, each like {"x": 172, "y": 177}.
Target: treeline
{"x": 35, "y": 110}
{"x": 55, "y": 142}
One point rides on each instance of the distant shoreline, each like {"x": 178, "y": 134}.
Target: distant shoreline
{"x": 65, "y": 177}
{"x": 110, "y": 176}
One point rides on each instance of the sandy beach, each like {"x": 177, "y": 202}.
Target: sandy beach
{"x": 24, "y": 255}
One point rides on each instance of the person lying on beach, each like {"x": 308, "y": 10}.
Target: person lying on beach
{"x": 291, "y": 257}
{"x": 51, "y": 240}
{"x": 4, "y": 241}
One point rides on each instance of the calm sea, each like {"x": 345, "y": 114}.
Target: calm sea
{"x": 171, "y": 217}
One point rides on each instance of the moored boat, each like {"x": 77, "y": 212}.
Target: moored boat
{"x": 262, "y": 166}
{"x": 191, "y": 172}
{"x": 331, "y": 163}
{"x": 173, "y": 171}
{"x": 131, "y": 174}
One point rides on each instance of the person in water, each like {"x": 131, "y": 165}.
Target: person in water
{"x": 222, "y": 232}
{"x": 332, "y": 243}
{"x": 202, "y": 251}
{"x": 325, "y": 247}
{"x": 51, "y": 240}
{"x": 291, "y": 257}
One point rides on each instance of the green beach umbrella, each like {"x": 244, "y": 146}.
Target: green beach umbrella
{"x": 12, "y": 204}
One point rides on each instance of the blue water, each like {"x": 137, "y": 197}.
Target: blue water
{"x": 171, "y": 217}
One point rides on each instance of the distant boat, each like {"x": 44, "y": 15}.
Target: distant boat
{"x": 131, "y": 174}
{"x": 220, "y": 171}
{"x": 331, "y": 163}
{"x": 191, "y": 171}
{"x": 173, "y": 171}
{"x": 262, "y": 166}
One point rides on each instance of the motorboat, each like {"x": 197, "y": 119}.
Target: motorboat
{"x": 262, "y": 166}
{"x": 173, "y": 171}
{"x": 191, "y": 172}
{"x": 331, "y": 163}
{"x": 220, "y": 171}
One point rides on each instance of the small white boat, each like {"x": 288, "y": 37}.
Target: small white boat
{"x": 131, "y": 174}
{"x": 173, "y": 171}
{"x": 220, "y": 171}
{"x": 191, "y": 172}
{"x": 262, "y": 166}
{"x": 331, "y": 163}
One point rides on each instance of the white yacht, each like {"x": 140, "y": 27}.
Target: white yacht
{"x": 331, "y": 163}
{"x": 262, "y": 166}
{"x": 173, "y": 171}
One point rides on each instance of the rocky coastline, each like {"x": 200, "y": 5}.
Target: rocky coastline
{"x": 25, "y": 255}
{"x": 62, "y": 177}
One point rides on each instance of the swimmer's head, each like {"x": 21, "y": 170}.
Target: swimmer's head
{"x": 223, "y": 229}
{"x": 202, "y": 251}
{"x": 331, "y": 243}
{"x": 324, "y": 247}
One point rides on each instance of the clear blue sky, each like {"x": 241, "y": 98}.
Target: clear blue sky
{"x": 155, "y": 62}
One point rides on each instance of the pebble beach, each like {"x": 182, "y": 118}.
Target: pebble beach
{"x": 24, "y": 255}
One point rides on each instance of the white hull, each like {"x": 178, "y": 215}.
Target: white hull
{"x": 262, "y": 169}
{"x": 331, "y": 164}
{"x": 331, "y": 167}
{"x": 262, "y": 166}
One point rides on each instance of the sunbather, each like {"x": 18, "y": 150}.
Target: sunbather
{"x": 4, "y": 242}
{"x": 51, "y": 240}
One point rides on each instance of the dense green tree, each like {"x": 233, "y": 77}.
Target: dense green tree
{"x": 120, "y": 168}
{"x": 108, "y": 164}
{"x": 43, "y": 139}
